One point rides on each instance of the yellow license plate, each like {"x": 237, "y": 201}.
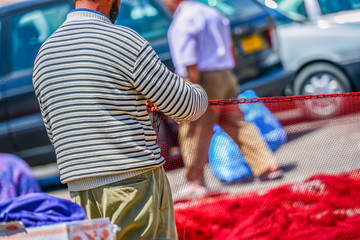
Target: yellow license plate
{"x": 252, "y": 43}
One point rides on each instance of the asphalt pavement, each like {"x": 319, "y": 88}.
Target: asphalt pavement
{"x": 325, "y": 146}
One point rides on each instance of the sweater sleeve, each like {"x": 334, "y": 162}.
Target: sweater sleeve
{"x": 47, "y": 125}
{"x": 169, "y": 92}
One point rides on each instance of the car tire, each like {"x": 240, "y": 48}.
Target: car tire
{"x": 321, "y": 78}
{"x": 318, "y": 70}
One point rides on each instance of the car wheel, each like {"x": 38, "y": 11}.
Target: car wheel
{"x": 321, "y": 78}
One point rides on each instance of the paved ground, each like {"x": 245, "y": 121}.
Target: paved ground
{"x": 328, "y": 146}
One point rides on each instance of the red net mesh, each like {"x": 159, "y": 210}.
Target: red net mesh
{"x": 316, "y": 146}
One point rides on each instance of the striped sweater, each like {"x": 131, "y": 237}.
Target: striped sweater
{"x": 92, "y": 79}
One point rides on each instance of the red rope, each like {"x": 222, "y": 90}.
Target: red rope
{"x": 281, "y": 99}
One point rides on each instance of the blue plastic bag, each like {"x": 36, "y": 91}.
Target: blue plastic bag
{"x": 225, "y": 157}
{"x": 271, "y": 129}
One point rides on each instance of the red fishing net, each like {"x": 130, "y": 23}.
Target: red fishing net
{"x": 322, "y": 207}
{"x": 315, "y": 141}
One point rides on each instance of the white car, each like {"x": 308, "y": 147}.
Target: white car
{"x": 319, "y": 40}
{"x": 321, "y": 44}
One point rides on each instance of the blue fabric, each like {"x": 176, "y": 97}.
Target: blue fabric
{"x": 226, "y": 159}
{"x": 38, "y": 209}
{"x": 271, "y": 129}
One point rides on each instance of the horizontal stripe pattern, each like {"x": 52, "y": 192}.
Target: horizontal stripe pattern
{"x": 92, "y": 79}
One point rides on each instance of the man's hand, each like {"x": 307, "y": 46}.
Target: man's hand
{"x": 150, "y": 107}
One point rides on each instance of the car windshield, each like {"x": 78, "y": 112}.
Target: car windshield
{"x": 294, "y": 9}
{"x": 240, "y": 9}
{"x": 333, "y": 6}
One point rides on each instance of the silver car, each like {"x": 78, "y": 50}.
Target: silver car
{"x": 321, "y": 44}
{"x": 319, "y": 40}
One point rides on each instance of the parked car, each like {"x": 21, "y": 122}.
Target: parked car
{"x": 322, "y": 45}
{"x": 25, "y": 25}
{"x": 319, "y": 41}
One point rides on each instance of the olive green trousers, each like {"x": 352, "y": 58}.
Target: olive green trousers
{"x": 141, "y": 206}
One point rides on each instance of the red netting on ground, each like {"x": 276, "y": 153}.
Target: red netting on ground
{"x": 317, "y": 148}
{"x": 323, "y": 207}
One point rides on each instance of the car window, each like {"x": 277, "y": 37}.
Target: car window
{"x": 334, "y": 6}
{"x": 292, "y": 8}
{"x": 236, "y": 9}
{"x": 143, "y": 17}
{"x": 30, "y": 30}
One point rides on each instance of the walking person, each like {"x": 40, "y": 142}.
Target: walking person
{"x": 95, "y": 82}
{"x": 201, "y": 48}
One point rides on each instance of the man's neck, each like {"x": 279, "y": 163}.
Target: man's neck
{"x": 96, "y": 6}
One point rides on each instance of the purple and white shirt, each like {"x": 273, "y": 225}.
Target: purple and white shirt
{"x": 200, "y": 34}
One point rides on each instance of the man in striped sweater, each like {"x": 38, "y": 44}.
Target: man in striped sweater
{"x": 92, "y": 79}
